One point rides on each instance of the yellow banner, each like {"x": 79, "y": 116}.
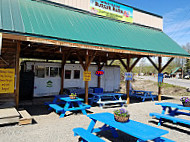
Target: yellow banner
{"x": 87, "y": 76}
{"x": 7, "y": 77}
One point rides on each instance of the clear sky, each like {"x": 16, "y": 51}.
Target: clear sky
{"x": 176, "y": 14}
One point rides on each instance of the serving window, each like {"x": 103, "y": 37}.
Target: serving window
{"x": 76, "y": 74}
{"x": 40, "y": 71}
{"x": 67, "y": 74}
{"x": 54, "y": 71}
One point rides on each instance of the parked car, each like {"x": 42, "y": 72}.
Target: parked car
{"x": 167, "y": 76}
{"x": 186, "y": 76}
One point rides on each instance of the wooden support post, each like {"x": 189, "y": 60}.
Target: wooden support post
{"x": 85, "y": 67}
{"x": 128, "y": 82}
{"x": 86, "y": 82}
{"x": 17, "y": 74}
{"x": 62, "y": 73}
{"x": 159, "y": 71}
{"x": 129, "y": 69}
{"x": 100, "y": 66}
{"x": 64, "y": 59}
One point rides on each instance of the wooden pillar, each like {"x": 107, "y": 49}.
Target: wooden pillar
{"x": 129, "y": 69}
{"x": 128, "y": 81}
{"x": 159, "y": 71}
{"x": 85, "y": 67}
{"x": 17, "y": 75}
{"x": 62, "y": 73}
{"x": 100, "y": 66}
{"x": 86, "y": 82}
{"x": 99, "y": 79}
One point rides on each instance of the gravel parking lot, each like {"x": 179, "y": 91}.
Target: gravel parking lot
{"x": 48, "y": 127}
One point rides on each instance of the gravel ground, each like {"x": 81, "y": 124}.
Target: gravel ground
{"x": 48, "y": 127}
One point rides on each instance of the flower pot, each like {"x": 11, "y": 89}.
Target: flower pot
{"x": 186, "y": 104}
{"x": 72, "y": 97}
{"x": 121, "y": 119}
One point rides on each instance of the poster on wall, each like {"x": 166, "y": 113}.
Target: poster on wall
{"x": 111, "y": 9}
{"x": 7, "y": 80}
{"x": 86, "y": 76}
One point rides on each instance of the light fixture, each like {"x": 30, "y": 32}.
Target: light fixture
{"x": 60, "y": 49}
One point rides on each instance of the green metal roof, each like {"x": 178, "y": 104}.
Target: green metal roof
{"x": 43, "y": 20}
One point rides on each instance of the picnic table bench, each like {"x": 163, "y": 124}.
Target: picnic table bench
{"x": 107, "y": 98}
{"x": 136, "y": 129}
{"x": 69, "y": 106}
{"x": 171, "y": 113}
{"x": 142, "y": 94}
{"x": 87, "y": 136}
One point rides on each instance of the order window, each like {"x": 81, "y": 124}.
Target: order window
{"x": 40, "y": 71}
{"x": 76, "y": 74}
{"x": 67, "y": 74}
{"x": 53, "y": 71}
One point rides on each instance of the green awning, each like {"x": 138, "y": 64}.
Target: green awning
{"x": 43, "y": 20}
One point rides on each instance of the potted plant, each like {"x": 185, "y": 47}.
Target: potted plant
{"x": 73, "y": 96}
{"x": 185, "y": 101}
{"x": 121, "y": 115}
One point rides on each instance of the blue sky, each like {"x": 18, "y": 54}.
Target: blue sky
{"x": 176, "y": 14}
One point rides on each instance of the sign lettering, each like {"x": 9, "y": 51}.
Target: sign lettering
{"x": 7, "y": 77}
{"x": 112, "y": 10}
{"x": 86, "y": 76}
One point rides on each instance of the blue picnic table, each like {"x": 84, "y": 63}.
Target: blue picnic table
{"x": 136, "y": 129}
{"x": 173, "y": 110}
{"x": 142, "y": 94}
{"x": 70, "y": 105}
{"x": 107, "y": 98}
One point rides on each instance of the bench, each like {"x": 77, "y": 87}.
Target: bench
{"x": 84, "y": 107}
{"x": 56, "y": 107}
{"x": 112, "y": 102}
{"x": 142, "y": 94}
{"x": 162, "y": 139}
{"x": 87, "y": 136}
{"x": 171, "y": 118}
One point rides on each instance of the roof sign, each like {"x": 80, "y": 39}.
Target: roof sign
{"x": 112, "y": 10}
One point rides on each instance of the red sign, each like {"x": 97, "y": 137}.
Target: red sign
{"x": 100, "y": 72}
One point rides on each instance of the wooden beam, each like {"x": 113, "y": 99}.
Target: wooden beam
{"x": 111, "y": 62}
{"x": 17, "y": 74}
{"x": 91, "y": 59}
{"x": 82, "y": 46}
{"x": 166, "y": 64}
{"x": 124, "y": 65}
{"x": 134, "y": 63}
{"x": 153, "y": 63}
{"x": 81, "y": 61}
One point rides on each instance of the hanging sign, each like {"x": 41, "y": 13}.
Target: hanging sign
{"x": 7, "y": 82}
{"x": 111, "y": 9}
{"x": 100, "y": 72}
{"x": 1, "y": 37}
{"x": 160, "y": 79}
{"x": 128, "y": 76}
{"x": 86, "y": 76}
